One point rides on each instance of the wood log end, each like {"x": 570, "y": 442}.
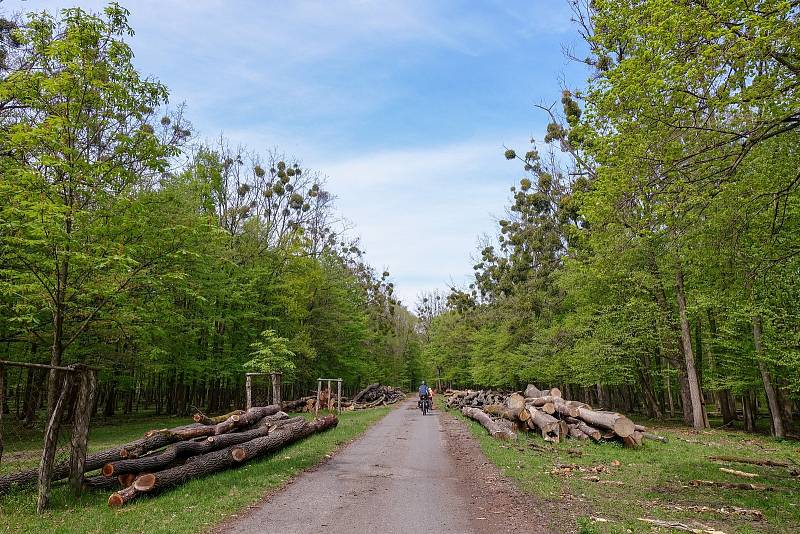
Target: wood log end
{"x": 197, "y": 417}
{"x": 123, "y": 453}
{"x": 115, "y": 500}
{"x": 145, "y": 482}
{"x": 238, "y": 454}
{"x": 108, "y": 470}
{"x": 624, "y": 427}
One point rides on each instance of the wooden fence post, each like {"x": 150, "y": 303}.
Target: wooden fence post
{"x": 276, "y": 387}
{"x": 86, "y": 383}
{"x": 319, "y": 390}
{"x": 2, "y": 404}
{"x": 339, "y": 396}
{"x": 249, "y": 388}
{"x": 51, "y": 444}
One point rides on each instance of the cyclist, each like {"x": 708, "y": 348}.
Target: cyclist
{"x": 424, "y": 393}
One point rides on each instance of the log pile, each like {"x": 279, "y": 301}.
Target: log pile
{"x": 546, "y": 413}
{"x": 374, "y": 395}
{"x": 167, "y": 457}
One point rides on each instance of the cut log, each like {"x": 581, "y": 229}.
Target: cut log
{"x": 364, "y": 391}
{"x": 751, "y": 461}
{"x": 577, "y": 433}
{"x": 494, "y": 429}
{"x": 515, "y": 401}
{"x": 533, "y": 391}
{"x": 590, "y": 431}
{"x": 503, "y": 411}
{"x": 198, "y": 466}
{"x": 203, "y": 419}
{"x": 634, "y": 441}
{"x": 730, "y": 485}
{"x": 125, "y": 495}
{"x": 566, "y": 410}
{"x": 101, "y": 483}
{"x": 250, "y": 417}
{"x": 738, "y": 473}
{"x": 547, "y": 424}
{"x": 618, "y": 423}
{"x": 295, "y": 405}
{"x": 184, "y": 449}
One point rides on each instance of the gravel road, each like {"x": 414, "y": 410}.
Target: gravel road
{"x": 399, "y": 477}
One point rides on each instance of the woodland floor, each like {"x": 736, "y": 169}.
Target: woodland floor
{"x": 589, "y": 493}
{"x": 195, "y": 506}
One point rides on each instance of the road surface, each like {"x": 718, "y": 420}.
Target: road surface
{"x": 398, "y": 477}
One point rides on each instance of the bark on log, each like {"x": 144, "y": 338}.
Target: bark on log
{"x": 213, "y": 462}
{"x": 533, "y": 391}
{"x": 494, "y": 429}
{"x": 634, "y": 441}
{"x": 203, "y": 419}
{"x": 618, "y": 423}
{"x": 655, "y": 437}
{"x": 730, "y": 485}
{"x": 547, "y": 424}
{"x": 577, "y": 433}
{"x": 505, "y": 412}
{"x": 751, "y": 461}
{"x": 185, "y": 449}
{"x": 516, "y": 401}
{"x": 364, "y": 391}
{"x": 589, "y": 430}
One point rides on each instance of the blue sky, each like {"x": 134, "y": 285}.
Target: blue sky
{"x": 404, "y": 105}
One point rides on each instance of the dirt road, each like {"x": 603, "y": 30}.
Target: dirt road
{"x": 399, "y": 477}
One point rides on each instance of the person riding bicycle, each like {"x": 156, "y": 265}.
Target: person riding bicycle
{"x": 424, "y": 393}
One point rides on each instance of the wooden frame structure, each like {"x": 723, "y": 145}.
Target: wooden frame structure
{"x": 338, "y": 393}
{"x": 276, "y": 379}
{"x": 78, "y": 386}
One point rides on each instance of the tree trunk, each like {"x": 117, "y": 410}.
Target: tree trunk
{"x": 220, "y": 460}
{"x": 618, "y": 423}
{"x": 698, "y": 417}
{"x": 184, "y": 449}
{"x": 494, "y": 429}
{"x": 772, "y": 398}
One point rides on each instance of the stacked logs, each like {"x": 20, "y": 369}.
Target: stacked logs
{"x": 168, "y": 457}
{"x": 374, "y": 395}
{"x": 546, "y": 413}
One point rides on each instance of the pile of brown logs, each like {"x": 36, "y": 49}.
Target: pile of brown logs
{"x": 546, "y": 413}
{"x": 169, "y": 457}
{"x": 374, "y": 395}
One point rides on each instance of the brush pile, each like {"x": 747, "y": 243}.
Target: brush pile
{"x": 547, "y": 413}
{"x": 169, "y": 457}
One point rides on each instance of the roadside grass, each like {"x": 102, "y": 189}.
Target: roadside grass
{"x": 652, "y": 481}
{"x": 195, "y": 506}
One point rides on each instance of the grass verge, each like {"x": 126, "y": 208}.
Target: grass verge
{"x": 192, "y": 507}
{"x": 652, "y": 482}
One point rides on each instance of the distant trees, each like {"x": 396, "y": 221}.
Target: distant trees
{"x": 662, "y": 251}
{"x": 168, "y": 265}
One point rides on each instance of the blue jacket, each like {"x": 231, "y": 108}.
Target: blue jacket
{"x": 423, "y": 390}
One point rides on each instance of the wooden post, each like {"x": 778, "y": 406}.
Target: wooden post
{"x": 319, "y": 390}
{"x": 2, "y": 404}
{"x": 51, "y": 444}
{"x": 249, "y": 388}
{"x": 330, "y": 396}
{"x": 86, "y": 382}
{"x": 339, "y": 396}
{"x": 276, "y": 387}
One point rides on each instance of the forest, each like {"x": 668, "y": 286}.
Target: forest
{"x": 648, "y": 259}
{"x": 172, "y": 264}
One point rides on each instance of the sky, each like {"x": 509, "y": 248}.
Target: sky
{"x": 405, "y": 105}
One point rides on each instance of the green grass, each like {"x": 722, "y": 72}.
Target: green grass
{"x": 653, "y": 479}
{"x": 195, "y": 506}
